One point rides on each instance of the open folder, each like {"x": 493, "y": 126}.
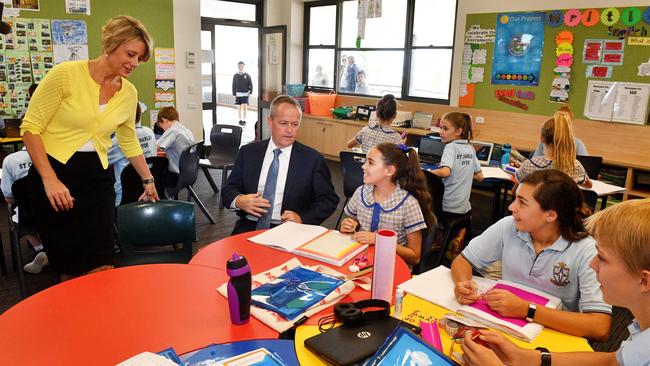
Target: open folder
{"x": 311, "y": 241}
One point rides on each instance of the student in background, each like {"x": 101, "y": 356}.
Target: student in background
{"x": 242, "y": 88}
{"x": 543, "y": 245}
{"x": 559, "y": 151}
{"x": 320, "y": 78}
{"x": 351, "y": 74}
{"x": 379, "y": 131}
{"x": 622, "y": 265}
{"x": 394, "y": 196}
{"x": 175, "y": 139}
{"x": 116, "y": 157}
{"x": 14, "y": 167}
{"x": 581, "y": 149}
{"x": 458, "y": 167}
{"x": 362, "y": 85}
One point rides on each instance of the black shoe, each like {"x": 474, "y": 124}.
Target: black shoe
{"x": 242, "y": 123}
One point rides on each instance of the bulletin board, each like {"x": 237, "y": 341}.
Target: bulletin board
{"x": 572, "y": 38}
{"x": 156, "y": 15}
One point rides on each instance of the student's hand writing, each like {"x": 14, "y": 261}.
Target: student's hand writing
{"x": 348, "y": 225}
{"x": 253, "y": 204}
{"x": 500, "y": 347}
{"x": 466, "y": 292}
{"x": 291, "y": 216}
{"x": 506, "y": 303}
{"x": 364, "y": 237}
{"x": 58, "y": 194}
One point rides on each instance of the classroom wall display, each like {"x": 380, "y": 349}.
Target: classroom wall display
{"x": 518, "y": 48}
{"x": 84, "y": 41}
{"x": 579, "y": 45}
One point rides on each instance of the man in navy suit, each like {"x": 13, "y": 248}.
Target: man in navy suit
{"x": 303, "y": 190}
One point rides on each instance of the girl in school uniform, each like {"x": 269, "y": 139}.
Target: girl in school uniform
{"x": 623, "y": 271}
{"x": 394, "y": 196}
{"x": 543, "y": 245}
{"x": 379, "y": 131}
{"x": 458, "y": 166}
{"x": 559, "y": 151}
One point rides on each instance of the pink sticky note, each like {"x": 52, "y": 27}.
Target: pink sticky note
{"x": 564, "y": 60}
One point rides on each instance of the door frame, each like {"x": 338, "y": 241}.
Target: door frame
{"x": 262, "y": 54}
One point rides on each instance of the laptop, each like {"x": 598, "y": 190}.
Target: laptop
{"x": 347, "y": 345}
{"x": 430, "y": 150}
{"x": 483, "y": 151}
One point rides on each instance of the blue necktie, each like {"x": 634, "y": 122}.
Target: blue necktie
{"x": 264, "y": 222}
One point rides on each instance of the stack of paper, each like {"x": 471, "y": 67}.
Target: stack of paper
{"x": 443, "y": 295}
{"x": 604, "y": 189}
{"x": 311, "y": 241}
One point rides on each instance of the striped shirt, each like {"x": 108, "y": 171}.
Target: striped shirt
{"x": 374, "y": 134}
{"x": 579, "y": 175}
{"x": 400, "y": 212}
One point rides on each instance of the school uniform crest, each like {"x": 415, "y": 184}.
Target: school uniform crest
{"x": 561, "y": 274}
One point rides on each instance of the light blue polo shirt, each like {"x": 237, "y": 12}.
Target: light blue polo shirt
{"x": 460, "y": 157}
{"x": 561, "y": 270}
{"x": 636, "y": 349}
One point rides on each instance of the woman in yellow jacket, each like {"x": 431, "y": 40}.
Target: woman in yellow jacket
{"x": 67, "y": 130}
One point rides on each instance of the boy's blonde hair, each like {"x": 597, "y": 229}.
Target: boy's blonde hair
{"x": 625, "y": 229}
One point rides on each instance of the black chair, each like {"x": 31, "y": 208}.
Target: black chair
{"x": 430, "y": 238}
{"x": 150, "y": 232}
{"x": 351, "y": 163}
{"x": 24, "y": 225}
{"x": 188, "y": 166}
{"x": 132, "y": 183}
{"x": 225, "y": 140}
{"x": 592, "y": 165}
{"x": 447, "y": 227}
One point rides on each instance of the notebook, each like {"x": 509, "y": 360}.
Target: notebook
{"x": 311, "y": 241}
{"x": 347, "y": 345}
{"x": 430, "y": 149}
{"x": 420, "y": 286}
{"x": 483, "y": 151}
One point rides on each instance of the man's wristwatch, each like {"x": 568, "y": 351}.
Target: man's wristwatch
{"x": 530, "y": 317}
{"x": 546, "y": 356}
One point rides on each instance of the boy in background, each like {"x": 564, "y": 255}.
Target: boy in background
{"x": 175, "y": 139}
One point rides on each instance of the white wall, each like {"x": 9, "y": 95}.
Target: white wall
{"x": 474, "y": 6}
{"x": 289, "y": 13}
{"x": 187, "y": 37}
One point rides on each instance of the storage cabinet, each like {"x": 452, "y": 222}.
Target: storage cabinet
{"x": 637, "y": 184}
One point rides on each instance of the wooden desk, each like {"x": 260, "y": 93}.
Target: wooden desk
{"x": 107, "y": 317}
{"x": 14, "y": 141}
{"x": 261, "y": 258}
{"x": 415, "y": 310}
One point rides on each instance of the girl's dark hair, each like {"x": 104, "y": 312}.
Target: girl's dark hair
{"x": 138, "y": 113}
{"x": 461, "y": 120}
{"x": 555, "y": 190}
{"x": 386, "y": 108}
{"x": 409, "y": 176}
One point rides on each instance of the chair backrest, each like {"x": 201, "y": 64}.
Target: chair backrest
{"x": 591, "y": 164}
{"x": 132, "y": 183}
{"x": 147, "y": 232}
{"x": 21, "y": 190}
{"x": 188, "y": 165}
{"x": 437, "y": 191}
{"x": 225, "y": 141}
{"x": 351, "y": 163}
{"x": 590, "y": 199}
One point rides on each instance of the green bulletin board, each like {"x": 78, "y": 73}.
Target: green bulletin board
{"x": 634, "y": 55}
{"x": 156, "y": 15}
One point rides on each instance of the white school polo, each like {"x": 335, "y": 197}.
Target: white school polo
{"x": 561, "y": 270}
{"x": 400, "y": 212}
{"x": 14, "y": 167}
{"x": 460, "y": 157}
{"x": 636, "y": 349}
{"x": 174, "y": 141}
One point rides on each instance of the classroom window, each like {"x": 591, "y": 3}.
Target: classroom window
{"x": 321, "y": 68}
{"x": 228, "y": 10}
{"x": 406, "y": 52}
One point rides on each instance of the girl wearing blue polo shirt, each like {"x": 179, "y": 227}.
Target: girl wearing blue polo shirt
{"x": 394, "y": 196}
{"x": 543, "y": 245}
{"x": 623, "y": 267}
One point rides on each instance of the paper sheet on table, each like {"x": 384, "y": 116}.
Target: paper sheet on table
{"x": 147, "y": 359}
{"x": 495, "y": 172}
{"x": 288, "y": 236}
{"x": 603, "y": 189}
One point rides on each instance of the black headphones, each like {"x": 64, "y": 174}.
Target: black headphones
{"x": 350, "y": 313}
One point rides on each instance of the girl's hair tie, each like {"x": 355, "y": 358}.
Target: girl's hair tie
{"x": 403, "y": 147}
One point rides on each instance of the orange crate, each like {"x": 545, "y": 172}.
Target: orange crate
{"x": 321, "y": 104}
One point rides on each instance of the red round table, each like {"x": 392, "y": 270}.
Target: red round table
{"x": 107, "y": 317}
{"x": 262, "y": 258}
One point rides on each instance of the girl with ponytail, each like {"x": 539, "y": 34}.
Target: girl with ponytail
{"x": 559, "y": 151}
{"x": 394, "y": 196}
{"x": 379, "y": 131}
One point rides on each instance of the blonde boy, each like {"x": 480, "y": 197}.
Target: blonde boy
{"x": 622, "y": 265}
